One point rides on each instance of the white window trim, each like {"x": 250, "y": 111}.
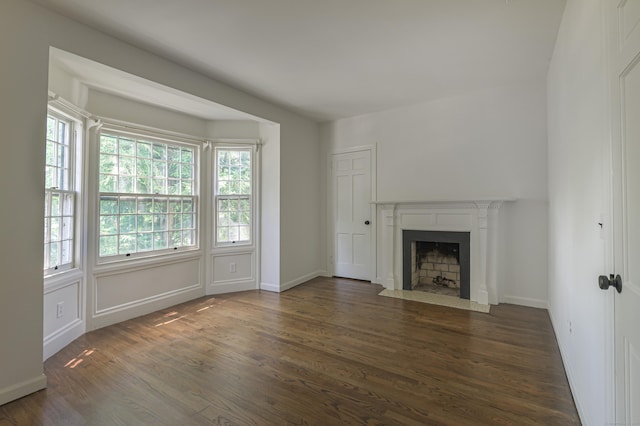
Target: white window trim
{"x": 252, "y": 146}
{"x": 76, "y": 127}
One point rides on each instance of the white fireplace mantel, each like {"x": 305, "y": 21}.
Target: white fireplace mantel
{"x": 478, "y": 217}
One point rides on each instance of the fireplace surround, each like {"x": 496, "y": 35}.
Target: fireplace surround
{"x": 477, "y": 218}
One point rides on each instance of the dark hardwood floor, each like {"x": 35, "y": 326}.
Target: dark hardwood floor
{"x": 328, "y": 352}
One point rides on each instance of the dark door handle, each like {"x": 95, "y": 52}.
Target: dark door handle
{"x": 605, "y": 282}
{"x": 366, "y": 222}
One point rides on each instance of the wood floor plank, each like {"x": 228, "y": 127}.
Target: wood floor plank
{"x": 327, "y": 352}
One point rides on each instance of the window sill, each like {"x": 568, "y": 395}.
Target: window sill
{"x": 144, "y": 262}
{"x": 61, "y": 279}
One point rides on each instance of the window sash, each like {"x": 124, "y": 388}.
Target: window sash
{"x": 141, "y": 224}
{"x": 233, "y": 219}
{"x": 59, "y": 226}
{"x": 135, "y": 164}
{"x": 58, "y": 155}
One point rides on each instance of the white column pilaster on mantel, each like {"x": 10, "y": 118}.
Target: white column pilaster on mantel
{"x": 488, "y": 235}
{"x": 483, "y": 222}
{"x": 388, "y": 244}
{"x": 492, "y": 250}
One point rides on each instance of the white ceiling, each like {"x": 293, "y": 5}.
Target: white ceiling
{"x": 330, "y": 59}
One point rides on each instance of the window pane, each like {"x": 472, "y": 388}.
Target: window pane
{"x": 144, "y": 149}
{"x": 188, "y": 238}
{"x": 159, "y": 222}
{"x": 159, "y": 151}
{"x": 127, "y": 166}
{"x": 143, "y": 185}
{"x": 145, "y": 242}
{"x": 50, "y": 154}
{"x": 108, "y": 183}
{"x": 127, "y": 244}
{"x": 145, "y": 205}
{"x": 143, "y": 167}
{"x": 55, "y": 205}
{"x": 145, "y": 223}
{"x": 108, "y": 144}
{"x": 187, "y": 171}
{"x": 160, "y": 240}
{"x": 54, "y": 251}
{"x": 127, "y": 146}
{"x": 66, "y": 254}
{"x": 233, "y": 233}
{"x": 55, "y": 229}
{"x": 159, "y": 169}
{"x": 108, "y": 246}
{"x": 127, "y": 205}
{"x": 50, "y": 177}
{"x": 127, "y": 224}
{"x": 173, "y": 154}
{"x": 175, "y": 239}
{"x": 173, "y": 186}
{"x": 67, "y": 228}
{"x": 223, "y": 234}
{"x": 245, "y": 233}
{"x": 176, "y": 221}
{"x": 67, "y": 205}
{"x": 51, "y": 128}
{"x": 108, "y": 205}
{"x": 187, "y": 221}
{"x": 108, "y": 225}
{"x": 108, "y": 164}
{"x": 160, "y": 205}
{"x": 174, "y": 170}
{"x": 187, "y": 155}
{"x": 125, "y": 184}
{"x": 159, "y": 186}
{"x": 187, "y": 187}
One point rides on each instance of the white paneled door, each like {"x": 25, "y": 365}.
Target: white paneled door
{"x": 351, "y": 176}
{"x": 625, "y": 71}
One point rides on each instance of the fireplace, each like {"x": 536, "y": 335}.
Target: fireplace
{"x": 436, "y": 260}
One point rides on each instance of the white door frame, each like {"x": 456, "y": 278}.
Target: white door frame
{"x": 373, "y": 273}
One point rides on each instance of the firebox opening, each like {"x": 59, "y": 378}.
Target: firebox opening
{"x": 435, "y": 267}
{"x": 436, "y": 261}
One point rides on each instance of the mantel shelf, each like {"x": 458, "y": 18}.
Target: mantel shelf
{"x": 444, "y": 201}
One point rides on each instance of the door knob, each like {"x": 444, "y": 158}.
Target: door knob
{"x": 366, "y": 222}
{"x": 605, "y": 282}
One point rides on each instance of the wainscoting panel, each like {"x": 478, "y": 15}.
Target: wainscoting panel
{"x": 121, "y": 290}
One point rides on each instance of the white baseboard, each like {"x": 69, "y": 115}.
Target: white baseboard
{"x": 483, "y": 297}
{"x": 302, "y": 279}
{"x": 567, "y": 368}
{"x": 19, "y": 390}
{"x": 270, "y": 287}
{"x": 288, "y": 285}
{"x": 231, "y": 287}
{"x": 526, "y": 301}
{"x": 61, "y": 338}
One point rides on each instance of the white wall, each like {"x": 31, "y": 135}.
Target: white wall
{"x": 578, "y": 189}
{"x": 490, "y": 143}
{"x": 26, "y": 33}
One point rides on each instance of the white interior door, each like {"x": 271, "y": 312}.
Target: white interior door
{"x": 351, "y": 179}
{"x": 625, "y": 71}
